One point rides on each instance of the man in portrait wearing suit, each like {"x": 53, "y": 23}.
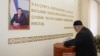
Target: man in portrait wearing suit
{"x": 84, "y": 41}
{"x": 19, "y": 18}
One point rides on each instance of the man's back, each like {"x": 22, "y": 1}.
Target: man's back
{"x": 85, "y": 45}
{"x": 84, "y": 41}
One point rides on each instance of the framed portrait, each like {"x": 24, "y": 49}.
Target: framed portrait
{"x": 19, "y": 14}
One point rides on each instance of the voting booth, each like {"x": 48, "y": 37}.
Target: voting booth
{"x": 60, "y": 50}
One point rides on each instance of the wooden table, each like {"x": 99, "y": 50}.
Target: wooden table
{"x": 60, "y": 50}
{"x": 11, "y": 27}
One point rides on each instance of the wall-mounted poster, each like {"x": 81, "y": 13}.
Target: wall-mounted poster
{"x": 37, "y": 20}
{"x": 18, "y": 14}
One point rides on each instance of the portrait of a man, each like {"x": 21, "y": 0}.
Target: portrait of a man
{"x": 19, "y": 14}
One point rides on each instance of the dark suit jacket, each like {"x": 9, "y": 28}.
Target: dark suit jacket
{"x": 84, "y": 42}
{"x": 21, "y": 21}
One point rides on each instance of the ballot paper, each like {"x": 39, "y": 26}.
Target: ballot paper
{"x": 67, "y": 39}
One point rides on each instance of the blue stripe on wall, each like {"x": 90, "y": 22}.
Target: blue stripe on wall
{"x": 16, "y": 4}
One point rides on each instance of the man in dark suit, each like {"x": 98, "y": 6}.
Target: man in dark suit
{"x": 19, "y": 18}
{"x": 84, "y": 41}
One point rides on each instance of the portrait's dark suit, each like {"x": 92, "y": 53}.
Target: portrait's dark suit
{"x": 22, "y": 20}
{"x": 84, "y": 43}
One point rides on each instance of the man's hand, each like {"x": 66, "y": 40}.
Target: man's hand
{"x": 16, "y": 24}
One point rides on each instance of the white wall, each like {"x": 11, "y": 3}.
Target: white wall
{"x": 99, "y": 21}
{"x": 89, "y": 17}
{"x": 84, "y": 11}
{"x": 39, "y": 48}
{"x": 93, "y": 17}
